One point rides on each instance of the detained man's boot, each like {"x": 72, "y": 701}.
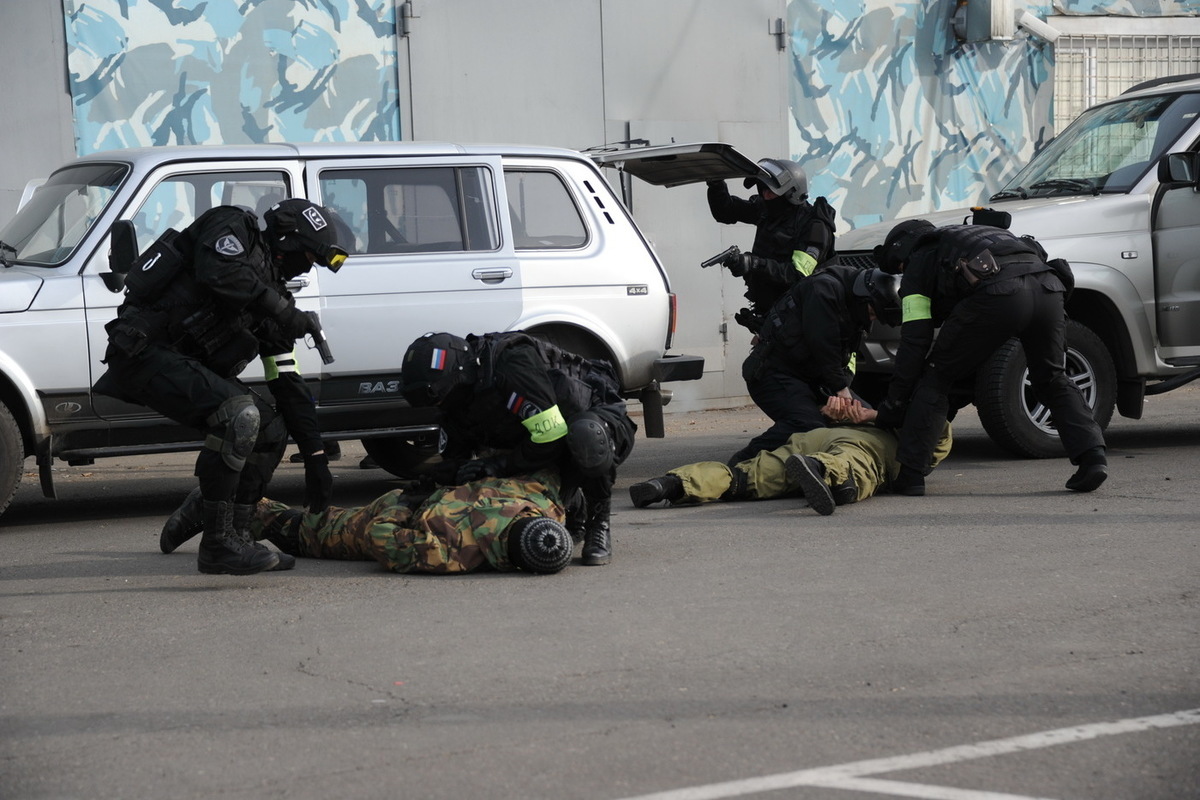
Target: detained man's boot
{"x": 655, "y": 490}
{"x": 284, "y": 532}
{"x": 809, "y": 474}
{"x": 597, "y": 539}
{"x": 242, "y": 514}
{"x": 183, "y": 524}
{"x": 222, "y": 550}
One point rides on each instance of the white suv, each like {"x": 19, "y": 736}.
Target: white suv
{"x": 468, "y": 239}
{"x": 1116, "y": 195}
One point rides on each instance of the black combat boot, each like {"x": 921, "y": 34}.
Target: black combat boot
{"x": 183, "y": 524}
{"x": 1093, "y": 471}
{"x": 845, "y": 492}
{"x": 242, "y": 514}
{"x": 222, "y": 550}
{"x": 909, "y": 483}
{"x": 597, "y": 539}
{"x": 809, "y": 474}
{"x": 576, "y": 508}
{"x": 668, "y": 487}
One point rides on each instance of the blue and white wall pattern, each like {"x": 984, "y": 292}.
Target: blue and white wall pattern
{"x": 892, "y": 116}
{"x": 158, "y": 72}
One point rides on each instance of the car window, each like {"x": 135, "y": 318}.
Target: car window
{"x": 413, "y": 209}
{"x": 543, "y": 214}
{"x": 47, "y": 229}
{"x": 178, "y": 199}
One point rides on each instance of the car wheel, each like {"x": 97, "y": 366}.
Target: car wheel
{"x": 1014, "y": 418}
{"x": 12, "y": 457}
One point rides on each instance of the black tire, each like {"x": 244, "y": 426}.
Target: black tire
{"x": 1013, "y": 417}
{"x": 404, "y": 458}
{"x": 12, "y": 457}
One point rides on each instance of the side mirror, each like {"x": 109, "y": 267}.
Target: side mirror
{"x": 1178, "y": 169}
{"x": 122, "y": 250}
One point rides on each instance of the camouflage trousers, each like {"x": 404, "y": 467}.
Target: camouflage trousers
{"x": 456, "y": 529}
{"x": 865, "y": 454}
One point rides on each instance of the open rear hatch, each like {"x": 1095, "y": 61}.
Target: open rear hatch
{"x": 678, "y": 164}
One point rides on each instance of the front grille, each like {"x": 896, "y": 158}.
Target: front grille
{"x": 859, "y": 260}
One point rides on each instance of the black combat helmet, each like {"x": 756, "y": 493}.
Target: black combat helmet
{"x": 899, "y": 244}
{"x": 300, "y": 226}
{"x": 433, "y": 366}
{"x": 882, "y": 291}
{"x": 539, "y": 544}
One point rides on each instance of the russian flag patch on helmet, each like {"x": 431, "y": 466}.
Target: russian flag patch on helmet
{"x": 438, "y": 359}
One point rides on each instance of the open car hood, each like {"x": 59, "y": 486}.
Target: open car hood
{"x": 679, "y": 164}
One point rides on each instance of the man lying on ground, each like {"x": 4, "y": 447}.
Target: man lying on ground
{"x": 498, "y": 523}
{"x": 829, "y": 466}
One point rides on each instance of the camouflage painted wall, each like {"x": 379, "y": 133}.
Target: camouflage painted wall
{"x": 157, "y": 72}
{"x": 892, "y": 116}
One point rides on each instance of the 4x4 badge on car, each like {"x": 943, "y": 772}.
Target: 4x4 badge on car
{"x": 639, "y": 289}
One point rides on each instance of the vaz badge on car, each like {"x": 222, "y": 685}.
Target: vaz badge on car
{"x": 379, "y": 387}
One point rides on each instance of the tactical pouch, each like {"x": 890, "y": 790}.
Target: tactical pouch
{"x": 1062, "y": 268}
{"x": 973, "y": 270}
{"x": 154, "y": 270}
{"x": 222, "y": 343}
{"x": 132, "y": 331}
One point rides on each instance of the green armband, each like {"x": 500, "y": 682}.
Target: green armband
{"x": 852, "y": 364}
{"x": 546, "y": 426}
{"x": 276, "y": 365}
{"x": 916, "y": 307}
{"x": 803, "y": 262}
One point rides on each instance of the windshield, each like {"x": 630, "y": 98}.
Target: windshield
{"x": 50, "y": 226}
{"x": 1107, "y": 149}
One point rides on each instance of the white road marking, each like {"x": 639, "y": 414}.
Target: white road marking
{"x": 852, "y": 776}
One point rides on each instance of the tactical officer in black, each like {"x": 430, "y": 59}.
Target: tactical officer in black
{"x": 805, "y": 345}
{"x": 980, "y": 285}
{"x": 792, "y": 235}
{"x": 513, "y": 404}
{"x": 199, "y": 306}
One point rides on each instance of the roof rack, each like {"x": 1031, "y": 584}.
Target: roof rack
{"x": 1161, "y": 82}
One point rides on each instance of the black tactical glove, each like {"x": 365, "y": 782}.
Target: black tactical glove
{"x": 292, "y": 322}
{"x": 890, "y": 414}
{"x": 478, "y": 469}
{"x": 748, "y": 319}
{"x": 318, "y": 483}
{"x": 740, "y": 264}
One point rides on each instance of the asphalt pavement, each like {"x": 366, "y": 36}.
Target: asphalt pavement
{"x": 999, "y": 638}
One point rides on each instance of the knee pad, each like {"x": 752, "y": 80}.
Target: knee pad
{"x": 233, "y": 429}
{"x": 590, "y": 445}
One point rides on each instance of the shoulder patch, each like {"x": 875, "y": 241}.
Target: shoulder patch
{"x": 228, "y": 245}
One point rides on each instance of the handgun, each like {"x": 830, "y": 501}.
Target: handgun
{"x": 725, "y": 255}
{"x": 320, "y": 343}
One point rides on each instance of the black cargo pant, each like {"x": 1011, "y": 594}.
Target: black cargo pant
{"x": 1029, "y": 307}
{"x": 183, "y": 389}
{"x": 793, "y": 404}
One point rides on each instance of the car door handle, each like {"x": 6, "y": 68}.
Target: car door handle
{"x": 296, "y": 284}
{"x": 492, "y": 274}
